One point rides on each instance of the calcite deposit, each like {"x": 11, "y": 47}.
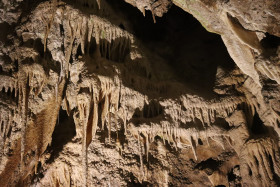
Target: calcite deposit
{"x": 139, "y": 93}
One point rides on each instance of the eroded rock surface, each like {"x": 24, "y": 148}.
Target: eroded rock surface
{"x": 98, "y": 93}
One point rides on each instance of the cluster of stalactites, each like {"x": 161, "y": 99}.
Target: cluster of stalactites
{"x": 109, "y": 39}
{"x": 177, "y": 136}
{"x": 31, "y": 79}
{"x": 107, "y": 94}
{"x": 104, "y": 94}
{"x": 9, "y": 84}
{"x": 8, "y": 116}
{"x": 260, "y": 161}
{"x": 206, "y": 112}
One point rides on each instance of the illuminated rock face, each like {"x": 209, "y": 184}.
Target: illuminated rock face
{"x": 95, "y": 94}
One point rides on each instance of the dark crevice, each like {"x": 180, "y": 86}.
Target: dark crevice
{"x": 38, "y": 45}
{"x": 150, "y": 110}
{"x": 7, "y": 66}
{"x": 270, "y": 43}
{"x": 63, "y": 133}
{"x": 250, "y": 172}
{"x": 276, "y": 178}
{"x": 2, "y": 126}
{"x": 79, "y": 53}
{"x": 9, "y": 95}
{"x": 200, "y": 141}
{"x": 122, "y": 26}
{"x": 91, "y": 47}
{"x": 258, "y": 126}
{"x": 234, "y": 178}
{"x": 61, "y": 30}
{"x": 5, "y": 30}
{"x": 208, "y": 166}
{"x": 134, "y": 182}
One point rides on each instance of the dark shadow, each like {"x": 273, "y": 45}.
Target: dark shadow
{"x": 150, "y": 110}
{"x": 233, "y": 178}
{"x": 208, "y": 166}
{"x": 192, "y": 53}
{"x": 116, "y": 50}
{"x": 134, "y": 182}
{"x": 63, "y": 133}
{"x": 270, "y": 43}
{"x": 258, "y": 127}
{"x": 5, "y": 30}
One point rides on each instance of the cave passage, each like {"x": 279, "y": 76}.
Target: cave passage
{"x": 190, "y": 50}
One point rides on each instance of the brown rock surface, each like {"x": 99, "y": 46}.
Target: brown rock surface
{"x": 93, "y": 93}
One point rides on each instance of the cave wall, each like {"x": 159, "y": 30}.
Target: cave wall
{"x": 139, "y": 93}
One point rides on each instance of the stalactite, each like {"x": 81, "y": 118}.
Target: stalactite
{"x": 125, "y": 121}
{"x": 247, "y": 37}
{"x": 228, "y": 140}
{"x": 104, "y": 111}
{"x": 154, "y": 18}
{"x": 271, "y": 71}
{"x": 84, "y": 29}
{"x": 99, "y": 3}
{"x": 147, "y": 146}
{"x": 23, "y": 107}
{"x": 141, "y": 158}
{"x": 219, "y": 140}
{"x": 193, "y": 146}
{"x": 109, "y": 126}
{"x": 67, "y": 105}
{"x": 143, "y": 11}
{"x": 84, "y": 110}
{"x": 113, "y": 44}
{"x": 49, "y": 23}
{"x": 95, "y": 118}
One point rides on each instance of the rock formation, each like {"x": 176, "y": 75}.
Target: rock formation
{"x": 139, "y": 93}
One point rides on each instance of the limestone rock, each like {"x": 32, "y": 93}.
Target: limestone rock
{"x": 93, "y": 93}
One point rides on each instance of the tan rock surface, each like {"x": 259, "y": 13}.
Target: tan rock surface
{"x": 95, "y": 94}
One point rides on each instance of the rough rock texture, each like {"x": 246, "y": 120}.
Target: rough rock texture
{"x": 95, "y": 94}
